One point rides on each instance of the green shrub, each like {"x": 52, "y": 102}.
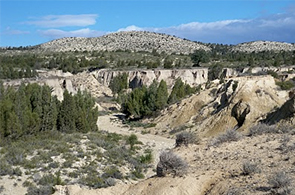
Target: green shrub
{"x": 73, "y": 174}
{"x": 132, "y": 140}
{"x": 273, "y": 74}
{"x": 285, "y": 85}
{"x": 92, "y": 179}
{"x": 112, "y": 172}
{"x": 50, "y": 179}
{"x": 147, "y": 157}
{"x": 17, "y": 171}
{"x": 27, "y": 184}
{"x": 5, "y": 168}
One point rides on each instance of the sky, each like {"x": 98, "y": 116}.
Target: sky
{"x": 25, "y": 23}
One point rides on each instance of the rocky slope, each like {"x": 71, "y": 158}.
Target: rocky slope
{"x": 238, "y": 103}
{"x": 132, "y": 40}
{"x": 259, "y": 46}
{"x": 248, "y": 166}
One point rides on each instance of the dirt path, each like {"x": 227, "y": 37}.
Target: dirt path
{"x": 111, "y": 124}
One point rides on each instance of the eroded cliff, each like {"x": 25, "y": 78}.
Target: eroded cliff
{"x": 137, "y": 78}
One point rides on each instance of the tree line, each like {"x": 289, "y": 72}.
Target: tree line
{"x": 30, "y": 109}
{"x": 148, "y": 101}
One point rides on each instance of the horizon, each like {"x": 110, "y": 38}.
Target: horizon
{"x": 30, "y": 23}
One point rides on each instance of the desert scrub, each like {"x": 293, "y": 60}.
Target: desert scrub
{"x": 17, "y": 171}
{"x": 50, "y": 179}
{"x": 5, "y": 168}
{"x": 170, "y": 163}
{"x": 147, "y": 157}
{"x": 92, "y": 180}
{"x": 44, "y": 190}
{"x": 285, "y": 85}
{"x": 249, "y": 168}
{"x": 132, "y": 140}
{"x": 229, "y": 136}
{"x": 186, "y": 138}
{"x": 281, "y": 183}
{"x": 112, "y": 172}
{"x": 262, "y": 128}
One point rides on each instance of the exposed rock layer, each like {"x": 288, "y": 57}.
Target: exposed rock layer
{"x": 192, "y": 77}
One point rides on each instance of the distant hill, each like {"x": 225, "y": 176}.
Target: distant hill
{"x": 259, "y": 46}
{"x": 132, "y": 40}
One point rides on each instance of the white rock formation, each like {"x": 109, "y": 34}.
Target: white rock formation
{"x": 192, "y": 77}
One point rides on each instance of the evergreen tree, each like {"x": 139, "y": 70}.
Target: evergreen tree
{"x": 161, "y": 96}
{"x": 150, "y": 99}
{"x": 67, "y": 114}
{"x": 178, "y": 91}
{"x": 119, "y": 83}
{"x": 87, "y": 113}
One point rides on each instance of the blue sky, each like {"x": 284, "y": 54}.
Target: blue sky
{"x": 25, "y": 22}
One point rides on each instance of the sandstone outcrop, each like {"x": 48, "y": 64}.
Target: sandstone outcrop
{"x": 60, "y": 81}
{"x": 283, "y": 114}
{"x": 131, "y": 40}
{"x": 224, "y": 106}
{"x": 234, "y": 72}
{"x": 137, "y": 78}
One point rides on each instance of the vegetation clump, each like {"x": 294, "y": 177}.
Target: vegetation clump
{"x": 281, "y": 183}
{"x": 249, "y": 168}
{"x": 31, "y": 109}
{"x": 186, "y": 138}
{"x": 229, "y": 136}
{"x": 170, "y": 163}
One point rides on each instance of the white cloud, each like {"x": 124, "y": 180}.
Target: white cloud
{"x": 278, "y": 27}
{"x": 56, "y": 33}
{"x": 131, "y": 28}
{"x": 9, "y": 31}
{"x": 54, "y": 21}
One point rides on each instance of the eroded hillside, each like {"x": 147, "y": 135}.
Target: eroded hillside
{"x": 238, "y": 103}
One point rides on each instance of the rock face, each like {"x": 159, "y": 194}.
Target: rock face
{"x": 137, "y": 78}
{"x": 238, "y": 103}
{"x": 132, "y": 40}
{"x": 60, "y": 81}
{"x": 283, "y": 114}
{"x": 231, "y": 72}
{"x": 240, "y": 111}
{"x": 258, "y": 46}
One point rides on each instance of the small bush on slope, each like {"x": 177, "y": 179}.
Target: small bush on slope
{"x": 185, "y": 138}
{"x": 170, "y": 163}
{"x": 248, "y": 168}
{"x": 281, "y": 183}
{"x": 228, "y": 136}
